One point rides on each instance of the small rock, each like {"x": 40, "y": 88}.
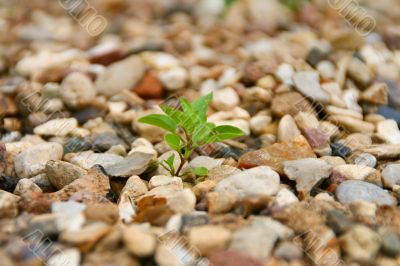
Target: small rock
{"x": 139, "y": 242}
{"x": 389, "y": 131}
{"x": 68, "y": 257}
{"x": 285, "y": 198}
{"x": 390, "y": 243}
{"x": 307, "y": 173}
{"x": 174, "y": 78}
{"x": 288, "y": 251}
{"x": 86, "y": 237}
{"x": 149, "y": 87}
{"x": 225, "y": 99}
{"x": 69, "y": 215}
{"x": 32, "y": 161}
{"x": 183, "y": 201}
{"x": 258, "y": 123}
{"x": 391, "y": 175}
{"x": 57, "y": 127}
{"x": 209, "y": 239}
{"x": 133, "y": 189}
{"x": 359, "y": 71}
{"x": 290, "y": 103}
{"x": 26, "y": 186}
{"x": 119, "y": 76}
{"x": 287, "y": 129}
{"x": 389, "y": 113}
{"x": 338, "y": 221}
{"x": 352, "y": 124}
{"x": 221, "y": 172}
{"x": 255, "y": 240}
{"x": 354, "y": 171}
{"x": 376, "y": 94}
{"x": 8, "y": 204}
{"x": 102, "y": 212}
{"x": 205, "y": 161}
{"x": 260, "y": 181}
{"x": 383, "y": 151}
{"x": 60, "y": 173}
{"x": 88, "y": 159}
{"x": 104, "y": 141}
{"x": 365, "y": 159}
{"x": 353, "y": 190}
{"x": 285, "y": 73}
{"x": 340, "y": 150}
{"x": 308, "y": 84}
{"x": 362, "y": 208}
{"x": 361, "y": 243}
{"x": 274, "y": 155}
{"x": 134, "y": 164}
{"x": 162, "y": 180}
{"x": 77, "y": 90}
{"x": 220, "y": 202}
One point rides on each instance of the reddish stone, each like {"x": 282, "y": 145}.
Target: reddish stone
{"x": 106, "y": 58}
{"x": 153, "y": 209}
{"x": 316, "y": 137}
{"x": 150, "y": 87}
{"x": 7, "y": 105}
{"x": 274, "y": 155}
{"x": 233, "y": 258}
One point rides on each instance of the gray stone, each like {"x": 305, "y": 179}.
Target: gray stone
{"x": 307, "y": 172}
{"x": 260, "y": 181}
{"x": 57, "y": 127}
{"x": 352, "y": 190}
{"x": 307, "y": 82}
{"x": 134, "y": 164}
{"x": 32, "y": 161}
{"x": 391, "y": 175}
{"x": 60, "y": 173}
{"x": 77, "y": 90}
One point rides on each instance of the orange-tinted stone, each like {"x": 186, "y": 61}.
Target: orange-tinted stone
{"x": 150, "y": 87}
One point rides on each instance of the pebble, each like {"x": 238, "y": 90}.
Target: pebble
{"x": 234, "y": 258}
{"x": 8, "y": 204}
{"x": 133, "y": 189}
{"x": 391, "y": 175}
{"x": 390, "y": 243}
{"x": 205, "y": 161}
{"x": 288, "y": 251}
{"x": 149, "y": 87}
{"x": 260, "y": 181}
{"x": 257, "y": 240}
{"x": 338, "y": 221}
{"x": 225, "y": 99}
{"x": 359, "y": 72}
{"x": 290, "y": 103}
{"x": 352, "y": 190}
{"x": 174, "y": 78}
{"x": 376, "y": 94}
{"x": 134, "y": 164}
{"x": 119, "y": 76}
{"x": 77, "y": 90}
{"x": 183, "y": 201}
{"x": 88, "y": 159}
{"x": 307, "y": 173}
{"x": 287, "y": 129}
{"x": 25, "y": 185}
{"x": 284, "y": 198}
{"x": 259, "y": 123}
{"x": 68, "y": 257}
{"x": 307, "y": 82}
{"x": 60, "y": 173}
{"x": 139, "y": 242}
{"x": 389, "y": 113}
{"x": 274, "y": 155}
{"x": 209, "y": 239}
{"x": 32, "y": 161}
{"x": 389, "y": 131}
{"x": 104, "y": 141}
{"x": 365, "y": 159}
{"x": 361, "y": 243}
{"x": 353, "y": 125}
{"x": 285, "y": 73}
{"x": 162, "y": 180}
{"x": 354, "y": 171}
{"x": 57, "y": 127}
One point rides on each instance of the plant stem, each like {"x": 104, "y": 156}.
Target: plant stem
{"x": 181, "y": 164}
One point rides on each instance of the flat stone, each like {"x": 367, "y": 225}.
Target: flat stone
{"x": 354, "y": 171}
{"x": 352, "y": 190}
{"x": 88, "y": 159}
{"x": 138, "y": 241}
{"x": 162, "y": 180}
{"x": 361, "y": 243}
{"x": 32, "y": 161}
{"x": 119, "y": 76}
{"x": 209, "y": 239}
{"x": 388, "y": 151}
{"x": 391, "y": 175}
{"x": 133, "y": 164}
{"x": 307, "y": 173}
{"x": 376, "y": 94}
{"x": 274, "y": 155}
{"x": 174, "y": 78}
{"x": 287, "y": 129}
{"x": 60, "y": 173}
{"x": 290, "y": 103}
{"x": 307, "y": 82}
{"x": 8, "y": 204}
{"x": 260, "y": 181}
{"x": 352, "y": 124}
{"x": 133, "y": 189}
{"x": 205, "y": 161}
{"x": 57, "y": 127}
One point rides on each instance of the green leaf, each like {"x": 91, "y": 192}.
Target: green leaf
{"x": 173, "y": 140}
{"x": 202, "y": 133}
{"x": 201, "y": 171}
{"x": 162, "y": 121}
{"x": 176, "y": 115}
{"x": 226, "y": 132}
{"x": 200, "y": 106}
{"x": 170, "y": 163}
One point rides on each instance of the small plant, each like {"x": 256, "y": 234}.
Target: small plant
{"x": 188, "y": 130}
